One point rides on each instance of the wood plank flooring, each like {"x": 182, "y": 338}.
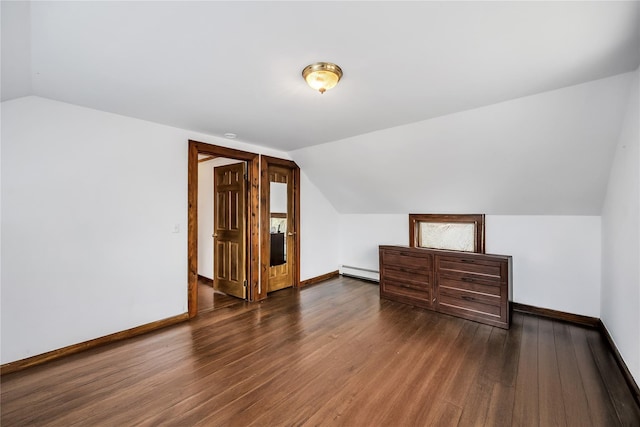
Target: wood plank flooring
{"x": 208, "y": 299}
{"x": 331, "y": 354}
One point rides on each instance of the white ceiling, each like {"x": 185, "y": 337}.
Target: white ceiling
{"x": 544, "y": 154}
{"x": 217, "y": 67}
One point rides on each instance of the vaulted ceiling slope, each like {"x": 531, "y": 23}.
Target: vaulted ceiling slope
{"x": 217, "y": 67}
{"x": 545, "y": 154}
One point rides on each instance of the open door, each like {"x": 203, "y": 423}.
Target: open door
{"x": 281, "y": 228}
{"x": 280, "y": 211}
{"x": 229, "y": 238}
{"x": 247, "y": 219}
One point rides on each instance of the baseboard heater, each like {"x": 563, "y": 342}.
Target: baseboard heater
{"x": 360, "y": 273}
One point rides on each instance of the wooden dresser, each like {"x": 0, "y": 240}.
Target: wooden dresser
{"x": 465, "y": 284}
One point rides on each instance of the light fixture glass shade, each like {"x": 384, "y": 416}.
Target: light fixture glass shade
{"x": 322, "y": 76}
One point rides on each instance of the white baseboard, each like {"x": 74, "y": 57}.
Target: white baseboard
{"x": 361, "y": 273}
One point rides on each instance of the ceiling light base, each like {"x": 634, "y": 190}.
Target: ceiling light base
{"x": 322, "y": 76}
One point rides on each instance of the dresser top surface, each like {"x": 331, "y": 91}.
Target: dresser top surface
{"x": 447, "y": 252}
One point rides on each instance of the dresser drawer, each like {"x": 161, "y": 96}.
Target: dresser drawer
{"x": 489, "y": 314}
{"x": 471, "y": 284}
{"x": 480, "y": 307}
{"x": 405, "y": 289}
{"x": 468, "y": 305}
{"x": 469, "y": 265}
{"x": 421, "y": 279}
{"x": 475, "y": 300}
{"x": 407, "y": 261}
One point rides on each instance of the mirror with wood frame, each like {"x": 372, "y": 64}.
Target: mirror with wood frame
{"x": 463, "y": 232}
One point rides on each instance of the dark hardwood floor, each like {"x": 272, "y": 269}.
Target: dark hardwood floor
{"x": 208, "y": 299}
{"x": 331, "y": 354}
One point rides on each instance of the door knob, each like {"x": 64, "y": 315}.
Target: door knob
{"x": 291, "y": 233}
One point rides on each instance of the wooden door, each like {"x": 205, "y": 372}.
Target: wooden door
{"x": 283, "y": 241}
{"x": 229, "y": 238}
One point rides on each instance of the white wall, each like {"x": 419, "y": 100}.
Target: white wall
{"x": 361, "y": 235}
{"x": 319, "y": 228}
{"x": 545, "y": 154}
{"x": 16, "y": 49}
{"x": 89, "y": 204}
{"x": 621, "y": 241}
{"x": 205, "y": 214}
{"x": 205, "y": 219}
{"x": 556, "y": 259}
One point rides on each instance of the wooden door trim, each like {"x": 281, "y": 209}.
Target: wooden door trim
{"x": 265, "y": 162}
{"x": 253, "y": 209}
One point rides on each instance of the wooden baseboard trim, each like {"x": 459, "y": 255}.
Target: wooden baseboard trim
{"x": 631, "y": 383}
{"x": 39, "y": 359}
{"x": 557, "y": 315}
{"x": 319, "y": 279}
{"x": 205, "y": 280}
{"x": 592, "y": 322}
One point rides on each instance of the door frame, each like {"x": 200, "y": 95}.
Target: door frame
{"x": 265, "y": 162}
{"x": 252, "y": 211}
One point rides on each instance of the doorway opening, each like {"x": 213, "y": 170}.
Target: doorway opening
{"x": 256, "y": 210}
{"x": 221, "y": 239}
{"x": 249, "y": 249}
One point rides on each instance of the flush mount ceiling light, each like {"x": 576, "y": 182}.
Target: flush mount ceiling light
{"x": 322, "y": 76}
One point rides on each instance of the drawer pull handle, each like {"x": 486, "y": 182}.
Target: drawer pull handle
{"x": 466, "y": 298}
{"x": 468, "y": 261}
{"x": 466, "y": 279}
